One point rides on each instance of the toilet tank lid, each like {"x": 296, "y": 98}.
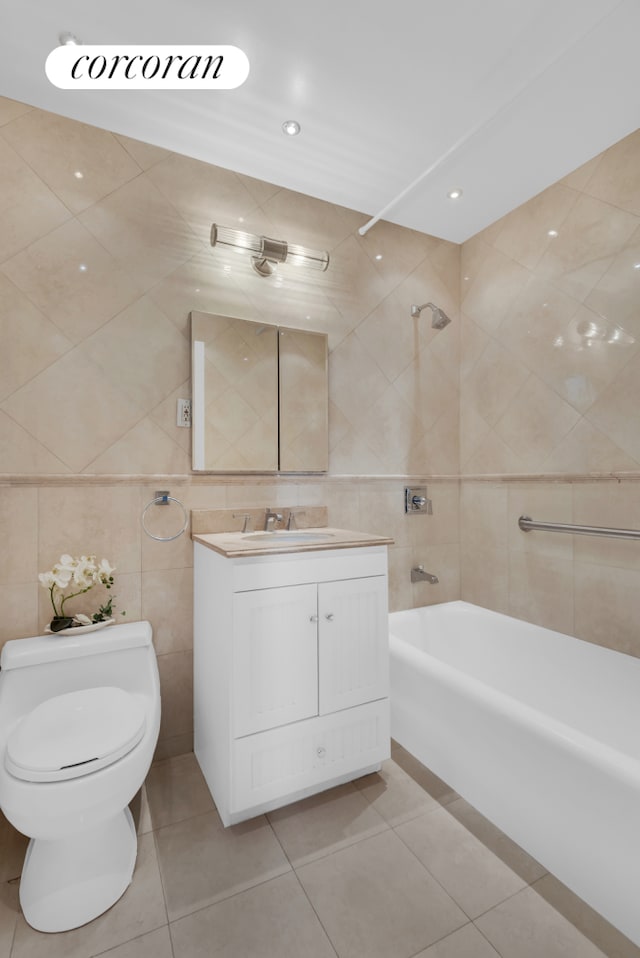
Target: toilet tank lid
{"x": 19, "y": 653}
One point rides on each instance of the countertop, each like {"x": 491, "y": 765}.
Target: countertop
{"x": 237, "y": 544}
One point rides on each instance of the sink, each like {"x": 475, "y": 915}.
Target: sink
{"x": 289, "y": 535}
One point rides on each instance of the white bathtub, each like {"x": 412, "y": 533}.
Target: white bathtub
{"x": 539, "y": 731}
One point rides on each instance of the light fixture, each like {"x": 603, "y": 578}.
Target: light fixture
{"x": 454, "y": 194}
{"x": 552, "y": 233}
{"x": 67, "y": 39}
{"x": 265, "y": 252}
{"x": 291, "y": 127}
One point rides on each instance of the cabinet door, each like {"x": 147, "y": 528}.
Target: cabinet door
{"x": 353, "y": 649}
{"x": 275, "y": 662}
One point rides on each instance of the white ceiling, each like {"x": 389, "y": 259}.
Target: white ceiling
{"x": 513, "y": 94}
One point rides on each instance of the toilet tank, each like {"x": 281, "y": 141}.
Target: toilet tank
{"x": 38, "y": 668}
{"x": 20, "y": 653}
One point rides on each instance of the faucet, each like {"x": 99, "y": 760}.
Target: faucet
{"x": 291, "y": 521}
{"x": 270, "y": 520}
{"x": 419, "y": 575}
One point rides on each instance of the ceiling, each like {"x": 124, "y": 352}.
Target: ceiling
{"x": 500, "y": 98}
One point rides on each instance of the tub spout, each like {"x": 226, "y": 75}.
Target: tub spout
{"x": 419, "y": 575}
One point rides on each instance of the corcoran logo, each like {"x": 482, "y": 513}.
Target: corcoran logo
{"x": 78, "y": 67}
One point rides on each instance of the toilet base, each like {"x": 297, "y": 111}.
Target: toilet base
{"x": 68, "y": 882}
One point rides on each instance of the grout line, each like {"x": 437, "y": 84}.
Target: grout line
{"x": 160, "y": 874}
{"x": 455, "y": 931}
{"x": 320, "y": 922}
{"x": 226, "y": 897}
{"x": 113, "y": 948}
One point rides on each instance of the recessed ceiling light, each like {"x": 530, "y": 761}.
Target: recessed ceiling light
{"x": 552, "y": 233}
{"x": 79, "y": 175}
{"x": 454, "y": 194}
{"x": 68, "y": 39}
{"x": 636, "y": 265}
{"x": 378, "y": 255}
{"x": 291, "y": 127}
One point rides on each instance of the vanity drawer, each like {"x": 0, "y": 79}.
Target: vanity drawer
{"x": 294, "y": 757}
{"x": 272, "y": 571}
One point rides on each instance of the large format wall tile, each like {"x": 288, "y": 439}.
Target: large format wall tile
{"x": 566, "y": 307}
{"x": 80, "y": 163}
{"x": 107, "y": 248}
{"x": 73, "y": 280}
{"x": 29, "y": 209}
{"x": 538, "y": 376}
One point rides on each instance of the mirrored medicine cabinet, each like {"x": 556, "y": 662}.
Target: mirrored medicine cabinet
{"x": 260, "y": 396}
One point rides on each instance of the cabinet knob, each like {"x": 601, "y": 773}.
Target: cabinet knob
{"x": 313, "y": 618}
{"x": 329, "y": 616}
{"x": 321, "y": 751}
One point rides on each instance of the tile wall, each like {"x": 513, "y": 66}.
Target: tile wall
{"x": 104, "y": 252}
{"x": 550, "y": 389}
{"x": 527, "y": 402}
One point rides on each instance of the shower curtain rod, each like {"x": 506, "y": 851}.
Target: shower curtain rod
{"x": 530, "y": 525}
{"x": 485, "y": 120}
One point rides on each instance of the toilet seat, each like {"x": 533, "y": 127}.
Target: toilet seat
{"x": 75, "y": 734}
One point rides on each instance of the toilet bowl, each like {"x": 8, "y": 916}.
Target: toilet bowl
{"x": 79, "y": 721}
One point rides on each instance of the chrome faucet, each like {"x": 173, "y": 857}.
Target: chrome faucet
{"x": 270, "y": 520}
{"x": 292, "y": 521}
{"x": 419, "y": 575}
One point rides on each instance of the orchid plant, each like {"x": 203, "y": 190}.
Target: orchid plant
{"x": 72, "y": 576}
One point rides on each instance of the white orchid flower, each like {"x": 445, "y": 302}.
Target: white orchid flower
{"x": 61, "y": 576}
{"x": 105, "y": 572}
{"x": 72, "y": 576}
{"x": 85, "y": 573}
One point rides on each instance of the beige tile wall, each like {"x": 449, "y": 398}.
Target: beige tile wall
{"x": 550, "y": 385}
{"x": 154, "y": 579}
{"x": 582, "y": 585}
{"x": 550, "y": 357}
{"x": 104, "y": 252}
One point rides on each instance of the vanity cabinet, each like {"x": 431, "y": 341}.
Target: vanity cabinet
{"x": 290, "y": 673}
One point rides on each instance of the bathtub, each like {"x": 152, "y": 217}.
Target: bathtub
{"x": 539, "y": 731}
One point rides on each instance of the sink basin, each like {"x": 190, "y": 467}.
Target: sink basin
{"x": 289, "y": 535}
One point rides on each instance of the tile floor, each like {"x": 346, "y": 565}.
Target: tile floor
{"x": 394, "y": 865}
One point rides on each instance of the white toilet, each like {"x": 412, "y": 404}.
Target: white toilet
{"x": 79, "y": 721}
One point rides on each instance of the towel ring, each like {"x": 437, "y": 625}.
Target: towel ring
{"x": 157, "y": 500}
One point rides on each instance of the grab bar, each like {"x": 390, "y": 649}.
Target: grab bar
{"x": 529, "y": 525}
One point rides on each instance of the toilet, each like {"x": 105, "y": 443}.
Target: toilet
{"x": 79, "y": 722}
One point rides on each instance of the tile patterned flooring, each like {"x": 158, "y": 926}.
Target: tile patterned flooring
{"x": 394, "y": 865}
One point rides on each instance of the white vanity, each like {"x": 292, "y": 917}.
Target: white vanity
{"x": 290, "y": 664}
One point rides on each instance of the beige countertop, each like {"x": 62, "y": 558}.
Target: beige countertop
{"x": 237, "y": 544}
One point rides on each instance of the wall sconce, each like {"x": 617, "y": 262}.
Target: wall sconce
{"x": 265, "y": 252}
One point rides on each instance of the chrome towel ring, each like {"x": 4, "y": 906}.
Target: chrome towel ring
{"x": 163, "y": 499}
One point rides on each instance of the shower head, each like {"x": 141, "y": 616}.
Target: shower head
{"x": 439, "y": 318}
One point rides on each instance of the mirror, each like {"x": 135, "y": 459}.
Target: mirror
{"x": 260, "y": 396}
